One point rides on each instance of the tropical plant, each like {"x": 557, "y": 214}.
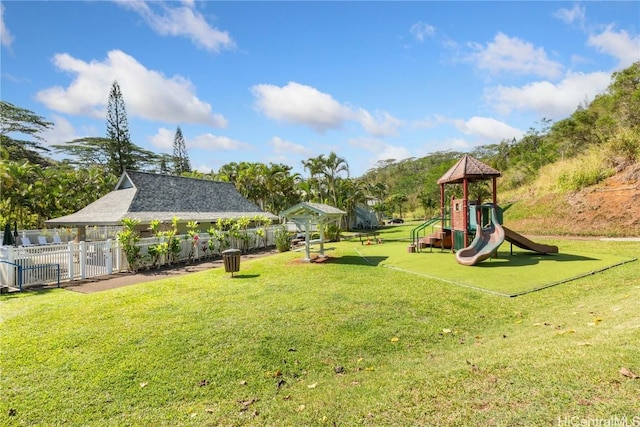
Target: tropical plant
{"x": 172, "y": 241}
{"x": 239, "y": 230}
{"x": 261, "y": 224}
{"x": 158, "y": 249}
{"x": 219, "y": 236}
{"x": 128, "y": 238}
{"x": 193, "y": 234}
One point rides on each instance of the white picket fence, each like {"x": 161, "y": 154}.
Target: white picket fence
{"x": 26, "y": 266}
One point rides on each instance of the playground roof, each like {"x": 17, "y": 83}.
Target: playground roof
{"x": 468, "y": 168}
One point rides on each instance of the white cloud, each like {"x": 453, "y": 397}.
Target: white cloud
{"x": 163, "y": 139}
{"x": 181, "y": 21}
{"x": 304, "y": 105}
{"x": 458, "y": 144}
{"x": 510, "y": 54}
{"x": 429, "y": 122}
{"x": 5, "y": 35}
{"x": 575, "y": 15}
{"x": 61, "y": 131}
{"x": 280, "y": 145}
{"x": 419, "y": 30}
{"x": 147, "y": 93}
{"x": 620, "y": 45}
{"x": 212, "y": 142}
{"x": 547, "y": 99}
{"x": 379, "y": 150}
{"x": 300, "y": 104}
{"x": 487, "y": 129}
{"x": 383, "y": 124}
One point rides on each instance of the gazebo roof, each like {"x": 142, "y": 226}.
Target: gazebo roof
{"x": 315, "y": 211}
{"x": 468, "y": 168}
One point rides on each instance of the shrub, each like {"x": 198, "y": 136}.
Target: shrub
{"x": 623, "y": 150}
{"x": 583, "y": 172}
{"x": 283, "y": 240}
{"x": 334, "y": 232}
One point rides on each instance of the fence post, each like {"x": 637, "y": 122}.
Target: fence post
{"x": 71, "y": 263}
{"x": 83, "y": 260}
{"x": 109, "y": 260}
{"x": 118, "y": 256}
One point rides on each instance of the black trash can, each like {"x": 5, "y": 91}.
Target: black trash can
{"x": 231, "y": 258}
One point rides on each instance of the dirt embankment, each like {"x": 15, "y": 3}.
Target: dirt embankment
{"x": 611, "y": 208}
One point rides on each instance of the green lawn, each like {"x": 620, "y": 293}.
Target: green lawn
{"x": 337, "y": 343}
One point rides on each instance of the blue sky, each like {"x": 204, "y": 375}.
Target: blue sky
{"x": 286, "y": 81}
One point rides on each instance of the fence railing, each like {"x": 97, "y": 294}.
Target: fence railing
{"x": 22, "y": 267}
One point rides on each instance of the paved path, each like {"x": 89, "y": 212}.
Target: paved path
{"x": 118, "y": 280}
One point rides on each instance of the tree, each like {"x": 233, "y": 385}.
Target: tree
{"x": 181, "y": 162}
{"x": 352, "y": 192}
{"x": 397, "y": 201}
{"x": 18, "y": 181}
{"x": 94, "y": 152}
{"x": 86, "y": 152}
{"x": 428, "y": 202}
{"x": 120, "y": 148}
{"x": 332, "y": 167}
{"x": 22, "y": 121}
{"x": 315, "y": 183}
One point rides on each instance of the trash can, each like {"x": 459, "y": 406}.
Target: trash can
{"x": 231, "y": 258}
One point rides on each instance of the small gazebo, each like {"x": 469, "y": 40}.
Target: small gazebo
{"x": 308, "y": 214}
{"x": 467, "y": 169}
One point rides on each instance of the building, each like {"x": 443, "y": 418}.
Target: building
{"x": 147, "y": 197}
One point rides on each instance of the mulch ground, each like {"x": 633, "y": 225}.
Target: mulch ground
{"x": 117, "y": 280}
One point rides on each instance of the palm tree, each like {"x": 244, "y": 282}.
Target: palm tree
{"x": 307, "y": 190}
{"x": 352, "y": 193}
{"x": 315, "y": 166}
{"x": 281, "y": 187}
{"x": 331, "y": 169}
{"x": 379, "y": 191}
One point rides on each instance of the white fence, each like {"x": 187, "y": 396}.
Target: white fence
{"x": 25, "y": 266}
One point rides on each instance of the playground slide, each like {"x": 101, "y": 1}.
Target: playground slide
{"x": 487, "y": 241}
{"x": 522, "y": 242}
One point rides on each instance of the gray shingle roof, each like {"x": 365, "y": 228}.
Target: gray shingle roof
{"x": 147, "y": 196}
{"x": 312, "y": 209}
{"x": 470, "y": 168}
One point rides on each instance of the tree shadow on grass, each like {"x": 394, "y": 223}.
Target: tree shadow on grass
{"x": 357, "y": 260}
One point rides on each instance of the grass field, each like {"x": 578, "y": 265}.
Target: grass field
{"x": 340, "y": 343}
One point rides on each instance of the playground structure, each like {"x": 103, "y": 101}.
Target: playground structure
{"x": 464, "y": 218}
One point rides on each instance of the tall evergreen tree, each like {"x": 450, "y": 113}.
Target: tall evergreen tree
{"x": 120, "y": 148}
{"x": 181, "y": 161}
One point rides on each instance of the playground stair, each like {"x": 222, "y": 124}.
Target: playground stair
{"x": 435, "y": 239}
{"x": 438, "y": 239}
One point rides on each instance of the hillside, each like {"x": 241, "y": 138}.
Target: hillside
{"x": 610, "y": 208}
